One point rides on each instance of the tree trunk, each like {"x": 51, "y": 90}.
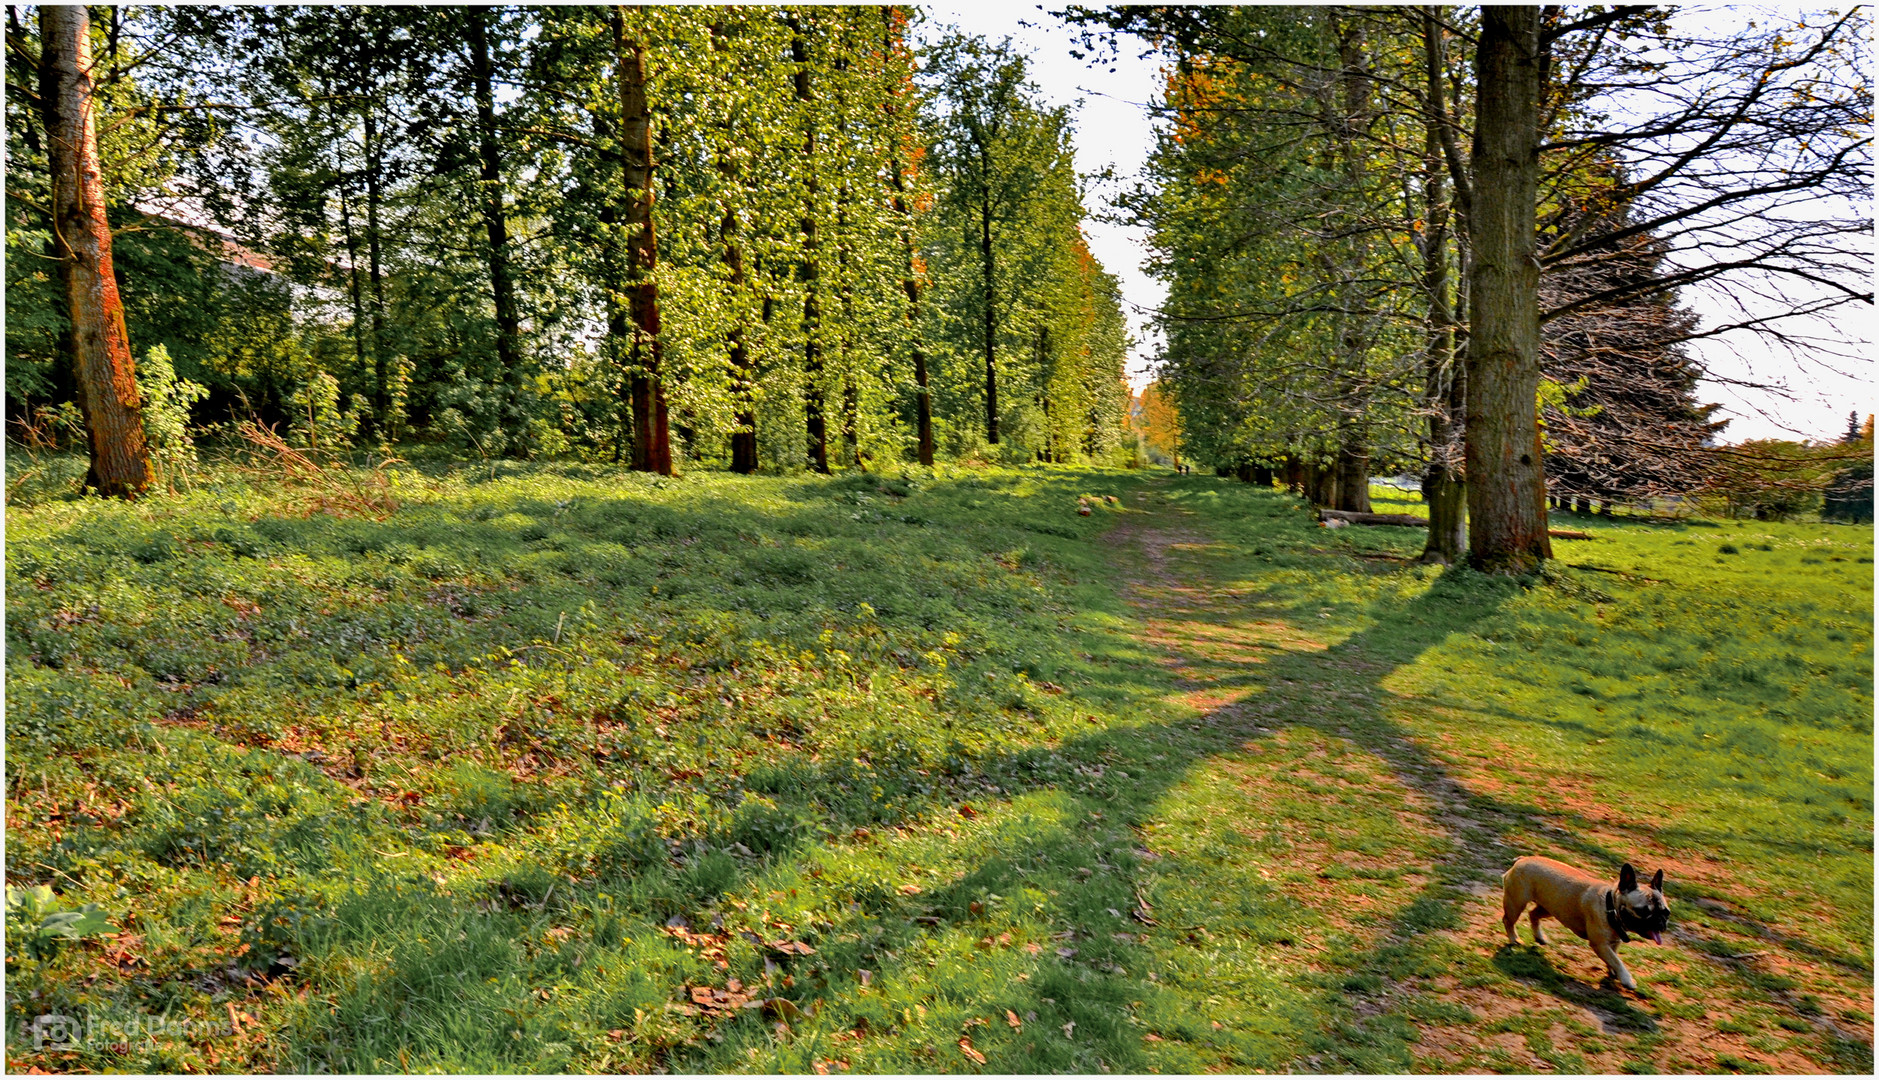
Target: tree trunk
{"x": 814, "y": 420}
{"x": 851, "y": 391}
{"x": 1355, "y": 324}
{"x": 1506, "y": 478}
{"x": 988, "y": 266}
{"x": 374, "y": 195}
{"x": 1321, "y": 484}
{"x": 1294, "y": 475}
{"x": 107, "y": 374}
{"x": 355, "y": 286}
{"x": 891, "y": 43}
{"x": 652, "y": 443}
{"x": 910, "y": 284}
{"x": 1353, "y": 475}
{"x": 496, "y": 225}
{"x": 730, "y": 234}
{"x": 1444, "y": 393}
{"x": 744, "y": 437}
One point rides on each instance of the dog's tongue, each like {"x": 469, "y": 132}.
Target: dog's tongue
{"x": 1655, "y": 937}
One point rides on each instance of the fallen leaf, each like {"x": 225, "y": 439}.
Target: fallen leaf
{"x": 1066, "y": 953}
{"x": 1012, "y": 1019}
{"x": 965, "y": 1047}
{"x": 617, "y": 1034}
{"x": 966, "y": 811}
{"x": 1033, "y": 948}
{"x": 909, "y": 890}
{"x": 866, "y": 976}
{"x": 1069, "y": 1029}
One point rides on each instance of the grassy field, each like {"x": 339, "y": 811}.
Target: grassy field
{"x": 562, "y": 769}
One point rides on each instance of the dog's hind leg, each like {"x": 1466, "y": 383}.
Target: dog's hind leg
{"x": 1533, "y": 920}
{"x": 1511, "y": 907}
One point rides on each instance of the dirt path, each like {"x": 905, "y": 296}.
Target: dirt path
{"x": 1414, "y": 895}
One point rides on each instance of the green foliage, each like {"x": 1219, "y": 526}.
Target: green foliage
{"x": 36, "y": 923}
{"x": 166, "y": 416}
{"x": 1775, "y": 479}
{"x": 1013, "y": 276}
{"x": 318, "y": 421}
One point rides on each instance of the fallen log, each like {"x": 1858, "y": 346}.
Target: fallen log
{"x": 1348, "y": 517}
{"x": 1339, "y": 518}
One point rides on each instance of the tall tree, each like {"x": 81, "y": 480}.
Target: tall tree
{"x": 904, "y": 156}
{"x": 991, "y": 144}
{"x": 810, "y": 269}
{"x": 107, "y": 375}
{"x": 1444, "y": 386}
{"x": 491, "y": 189}
{"x": 1506, "y": 476}
{"x": 652, "y": 445}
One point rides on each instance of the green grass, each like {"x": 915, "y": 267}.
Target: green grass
{"x": 496, "y": 783}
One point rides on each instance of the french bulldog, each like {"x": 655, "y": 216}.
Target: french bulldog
{"x": 1603, "y": 914}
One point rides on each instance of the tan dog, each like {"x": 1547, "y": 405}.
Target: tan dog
{"x": 1598, "y": 912}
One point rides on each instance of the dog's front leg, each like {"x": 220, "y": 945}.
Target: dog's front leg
{"x": 1609, "y": 954}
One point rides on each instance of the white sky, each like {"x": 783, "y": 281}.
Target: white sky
{"x": 1114, "y": 129}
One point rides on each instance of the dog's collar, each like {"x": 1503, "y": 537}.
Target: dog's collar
{"x": 1613, "y": 916}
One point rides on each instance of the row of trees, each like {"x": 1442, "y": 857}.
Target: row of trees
{"x": 1385, "y": 247}
{"x": 754, "y": 237}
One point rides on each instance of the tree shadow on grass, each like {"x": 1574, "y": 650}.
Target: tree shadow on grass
{"x": 1482, "y": 830}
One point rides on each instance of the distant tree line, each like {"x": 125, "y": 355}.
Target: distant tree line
{"x": 739, "y": 237}
{"x": 1454, "y": 240}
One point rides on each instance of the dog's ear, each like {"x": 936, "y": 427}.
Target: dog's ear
{"x": 1627, "y": 878}
{"x": 1657, "y": 880}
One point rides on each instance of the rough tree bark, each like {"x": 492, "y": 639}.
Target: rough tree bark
{"x": 107, "y": 375}
{"x": 496, "y": 225}
{"x": 1506, "y": 479}
{"x": 652, "y": 443}
{"x": 1445, "y": 394}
